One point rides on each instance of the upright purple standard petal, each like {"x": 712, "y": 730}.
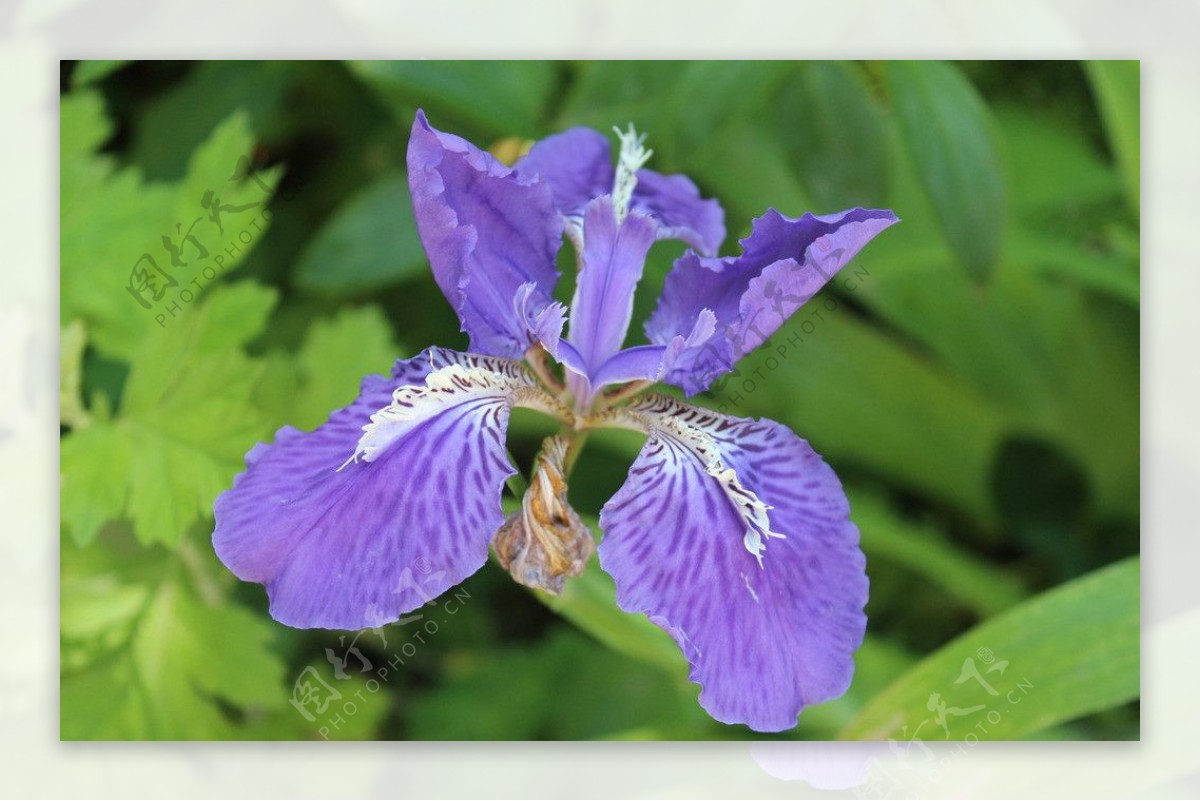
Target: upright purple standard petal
{"x": 577, "y": 165}
{"x": 487, "y": 233}
{"x": 734, "y": 536}
{"x": 614, "y": 254}
{"x": 385, "y": 506}
{"x": 784, "y": 262}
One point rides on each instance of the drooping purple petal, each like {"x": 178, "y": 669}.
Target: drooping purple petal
{"x": 385, "y": 506}
{"x": 614, "y": 255}
{"x": 734, "y": 536}
{"x": 487, "y": 232}
{"x": 784, "y": 262}
{"x": 577, "y": 164}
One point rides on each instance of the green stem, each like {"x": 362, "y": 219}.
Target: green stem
{"x": 575, "y": 439}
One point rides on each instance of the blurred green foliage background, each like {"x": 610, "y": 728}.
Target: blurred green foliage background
{"x": 974, "y": 381}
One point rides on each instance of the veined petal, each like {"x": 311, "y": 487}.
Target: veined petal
{"x": 487, "y": 232}
{"x": 734, "y": 536}
{"x": 577, "y": 164}
{"x": 614, "y": 255}
{"x": 784, "y": 263}
{"x": 388, "y": 504}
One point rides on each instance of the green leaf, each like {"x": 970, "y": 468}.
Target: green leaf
{"x": 114, "y": 224}
{"x": 1117, "y": 86}
{"x": 833, "y": 132}
{"x": 145, "y": 657}
{"x": 183, "y": 429}
{"x": 1066, "y": 653}
{"x": 501, "y": 98}
{"x": 88, "y": 461}
{"x": 953, "y": 144}
{"x": 326, "y": 373}
{"x": 369, "y": 243}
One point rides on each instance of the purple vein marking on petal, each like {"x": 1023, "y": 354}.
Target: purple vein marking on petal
{"x": 763, "y": 642}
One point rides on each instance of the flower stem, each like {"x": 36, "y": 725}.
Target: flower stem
{"x": 626, "y": 392}
{"x": 575, "y": 438}
{"x": 535, "y": 357}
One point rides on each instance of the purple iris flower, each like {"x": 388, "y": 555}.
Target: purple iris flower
{"x": 730, "y": 533}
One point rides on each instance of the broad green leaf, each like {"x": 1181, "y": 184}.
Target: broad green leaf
{"x": 499, "y": 98}
{"x": 950, "y": 135}
{"x": 833, "y": 132}
{"x": 1066, "y": 653}
{"x": 185, "y": 424}
{"x": 145, "y": 657}
{"x": 119, "y": 230}
{"x": 369, "y": 243}
{"x": 1117, "y": 86}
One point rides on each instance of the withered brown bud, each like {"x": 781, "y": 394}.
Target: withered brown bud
{"x": 546, "y": 541}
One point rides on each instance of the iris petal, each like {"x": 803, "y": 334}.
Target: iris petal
{"x": 487, "y": 232}
{"x": 613, "y": 258}
{"x": 577, "y": 165}
{"x": 385, "y": 506}
{"x": 734, "y": 536}
{"x": 784, "y": 262}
